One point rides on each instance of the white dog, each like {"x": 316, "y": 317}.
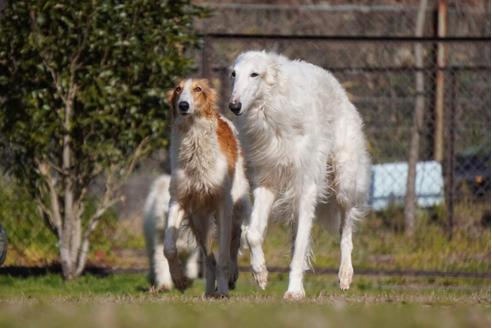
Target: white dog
{"x": 307, "y": 153}
{"x": 207, "y": 181}
{"x": 155, "y": 215}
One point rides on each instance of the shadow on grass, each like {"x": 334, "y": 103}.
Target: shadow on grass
{"x": 38, "y": 271}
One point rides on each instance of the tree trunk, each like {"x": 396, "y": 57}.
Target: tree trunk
{"x": 66, "y": 240}
{"x": 413, "y": 154}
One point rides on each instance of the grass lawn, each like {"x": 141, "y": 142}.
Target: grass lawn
{"x": 123, "y": 300}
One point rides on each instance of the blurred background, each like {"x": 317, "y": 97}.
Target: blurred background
{"x": 419, "y": 74}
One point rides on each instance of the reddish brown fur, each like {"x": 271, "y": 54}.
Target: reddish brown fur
{"x": 227, "y": 142}
{"x": 205, "y": 100}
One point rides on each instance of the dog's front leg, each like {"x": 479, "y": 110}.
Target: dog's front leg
{"x": 200, "y": 225}
{"x": 307, "y": 206}
{"x": 176, "y": 214}
{"x": 263, "y": 201}
{"x": 225, "y": 228}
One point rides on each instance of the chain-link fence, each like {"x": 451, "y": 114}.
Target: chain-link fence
{"x": 370, "y": 47}
{"x": 371, "y": 50}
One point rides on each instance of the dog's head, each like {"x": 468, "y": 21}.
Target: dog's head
{"x": 253, "y": 73}
{"x": 192, "y": 98}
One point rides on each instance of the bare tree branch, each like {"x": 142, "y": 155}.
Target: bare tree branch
{"x": 44, "y": 58}
{"x": 109, "y": 199}
{"x": 54, "y": 211}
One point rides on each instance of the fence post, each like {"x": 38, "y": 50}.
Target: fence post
{"x": 450, "y": 170}
{"x": 224, "y": 97}
{"x": 442, "y": 11}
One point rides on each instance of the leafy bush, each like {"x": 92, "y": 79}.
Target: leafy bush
{"x": 82, "y": 96}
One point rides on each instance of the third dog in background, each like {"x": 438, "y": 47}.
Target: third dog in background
{"x": 155, "y": 216}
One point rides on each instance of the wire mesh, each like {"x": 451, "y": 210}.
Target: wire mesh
{"x": 370, "y": 47}
{"x": 372, "y": 53}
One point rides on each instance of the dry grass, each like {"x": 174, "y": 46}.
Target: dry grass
{"x": 124, "y": 301}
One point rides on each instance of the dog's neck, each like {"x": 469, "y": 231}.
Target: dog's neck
{"x": 194, "y": 141}
{"x": 267, "y": 117}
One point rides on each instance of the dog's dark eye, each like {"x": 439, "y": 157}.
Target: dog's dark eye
{"x": 178, "y": 90}
{"x": 254, "y": 74}
{"x": 233, "y": 74}
{"x": 197, "y": 89}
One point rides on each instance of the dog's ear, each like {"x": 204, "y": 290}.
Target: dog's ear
{"x": 208, "y": 90}
{"x": 210, "y": 96}
{"x": 171, "y": 100}
{"x": 272, "y": 71}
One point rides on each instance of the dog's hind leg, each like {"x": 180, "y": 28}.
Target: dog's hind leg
{"x": 242, "y": 211}
{"x": 193, "y": 264}
{"x": 255, "y": 233}
{"x": 159, "y": 275}
{"x": 346, "y": 271}
{"x": 176, "y": 215}
{"x": 225, "y": 218}
{"x": 352, "y": 180}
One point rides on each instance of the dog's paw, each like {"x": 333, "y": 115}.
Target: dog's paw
{"x": 217, "y": 295}
{"x": 233, "y": 278}
{"x": 232, "y": 284}
{"x": 162, "y": 285}
{"x": 294, "y": 295}
{"x": 158, "y": 289}
{"x": 345, "y": 277}
{"x": 182, "y": 283}
{"x": 261, "y": 276}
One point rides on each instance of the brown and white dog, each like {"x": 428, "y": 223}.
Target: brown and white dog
{"x": 207, "y": 181}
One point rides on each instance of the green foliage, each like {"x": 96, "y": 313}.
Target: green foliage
{"x": 117, "y": 57}
{"x": 82, "y": 95}
{"x": 29, "y": 241}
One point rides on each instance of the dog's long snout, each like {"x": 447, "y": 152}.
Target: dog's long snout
{"x": 235, "y": 107}
{"x": 183, "y": 107}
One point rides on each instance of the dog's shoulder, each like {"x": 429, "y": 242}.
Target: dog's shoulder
{"x": 227, "y": 141}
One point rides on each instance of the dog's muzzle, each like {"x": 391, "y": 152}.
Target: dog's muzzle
{"x": 235, "y": 107}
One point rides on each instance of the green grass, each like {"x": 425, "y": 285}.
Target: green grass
{"x": 123, "y": 300}
{"x": 378, "y": 248}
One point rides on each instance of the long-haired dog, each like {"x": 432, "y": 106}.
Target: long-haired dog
{"x": 207, "y": 181}
{"x": 155, "y": 215}
{"x": 304, "y": 144}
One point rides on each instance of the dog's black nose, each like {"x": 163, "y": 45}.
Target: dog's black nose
{"x": 235, "y": 107}
{"x": 183, "y": 106}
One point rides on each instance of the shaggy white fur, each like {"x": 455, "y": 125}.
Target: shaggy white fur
{"x": 306, "y": 153}
{"x": 155, "y": 215}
